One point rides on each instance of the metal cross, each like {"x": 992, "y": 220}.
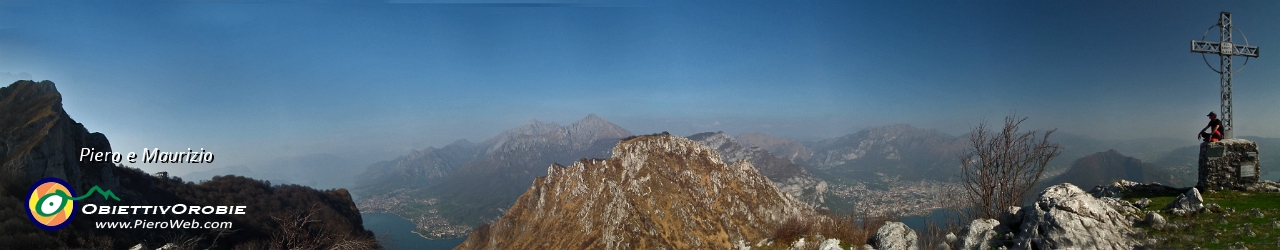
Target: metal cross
{"x": 1225, "y": 49}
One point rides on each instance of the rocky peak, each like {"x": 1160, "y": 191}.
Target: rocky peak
{"x": 656, "y": 191}
{"x": 579, "y": 135}
{"x": 39, "y": 138}
{"x": 591, "y": 128}
{"x": 533, "y": 127}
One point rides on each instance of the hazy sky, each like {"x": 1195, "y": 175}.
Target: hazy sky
{"x": 256, "y": 81}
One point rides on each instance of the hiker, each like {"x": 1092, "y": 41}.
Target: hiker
{"x": 1216, "y": 133}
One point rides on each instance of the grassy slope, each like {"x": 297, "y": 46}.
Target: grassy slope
{"x": 1218, "y": 230}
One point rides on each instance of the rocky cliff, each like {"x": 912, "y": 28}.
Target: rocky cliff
{"x": 788, "y": 176}
{"x": 39, "y": 139}
{"x": 655, "y": 192}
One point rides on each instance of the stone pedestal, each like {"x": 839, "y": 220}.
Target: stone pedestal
{"x": 1228, "y": 164}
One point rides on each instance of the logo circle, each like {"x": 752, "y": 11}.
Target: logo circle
{"x": 49, "y": 204}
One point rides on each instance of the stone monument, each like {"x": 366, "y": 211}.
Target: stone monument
{"x": 1228, "y": 164}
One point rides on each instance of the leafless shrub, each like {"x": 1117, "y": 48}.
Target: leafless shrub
{"x": 791, "y": 229}
{"x": 1000, "y": 167}
{"x": 301, "y": 230}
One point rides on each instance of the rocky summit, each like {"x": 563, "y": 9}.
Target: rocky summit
{"x": 1062, "y": 217}
{"x": 655, "y": 192}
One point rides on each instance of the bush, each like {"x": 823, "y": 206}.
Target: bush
{"x": 791, "y": 229}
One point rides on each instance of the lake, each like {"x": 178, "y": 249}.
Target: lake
{"x": 937, "y": 216}
{"x": 397, "y": 233}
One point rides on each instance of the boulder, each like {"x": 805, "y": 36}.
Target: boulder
{"x": 896, "y": 236}
{"x": 1188, "y": 202}
{"x": 982, "y": 234}
{"x": 1155, "y": 220}
{"x": 1065, "y": 217}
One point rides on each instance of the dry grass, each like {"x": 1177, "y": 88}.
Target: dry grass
{"x": 852, "y": 228}
{"x": 792, "y": 229}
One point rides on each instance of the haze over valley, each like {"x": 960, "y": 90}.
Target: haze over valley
{"x": 632, "y": 123}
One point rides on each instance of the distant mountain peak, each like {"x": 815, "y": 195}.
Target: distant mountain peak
{"x": 591, "y": 128}
{"x": 1102, "y": 167}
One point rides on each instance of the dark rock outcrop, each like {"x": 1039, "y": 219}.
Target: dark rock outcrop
{"x": 40, "y": 140}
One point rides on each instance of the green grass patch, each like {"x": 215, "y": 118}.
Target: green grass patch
{"x": 1238, "y": 222}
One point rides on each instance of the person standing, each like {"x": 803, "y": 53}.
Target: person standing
{"x": 1213, "y": 135}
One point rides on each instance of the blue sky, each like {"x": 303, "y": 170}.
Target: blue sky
{"x": 255, "y": 81}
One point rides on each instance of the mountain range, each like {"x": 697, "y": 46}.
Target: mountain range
{"x": 448, "y": 191}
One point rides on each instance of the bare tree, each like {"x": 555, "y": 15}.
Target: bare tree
{"x": 1000, "y": 167}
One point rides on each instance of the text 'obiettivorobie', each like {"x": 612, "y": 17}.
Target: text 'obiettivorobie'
{"x": 148, "y": 156}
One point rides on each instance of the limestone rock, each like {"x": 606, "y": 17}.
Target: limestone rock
{"x": 896, "y": 236}
{"x": 830, "y": 244}
{"x": 1188, "y": 202}
{"x": 1155, "y": 220}
{"x": 982, "y": 234}
{"x": 1066, "y": 217}
{"x": 799, "y": 244}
